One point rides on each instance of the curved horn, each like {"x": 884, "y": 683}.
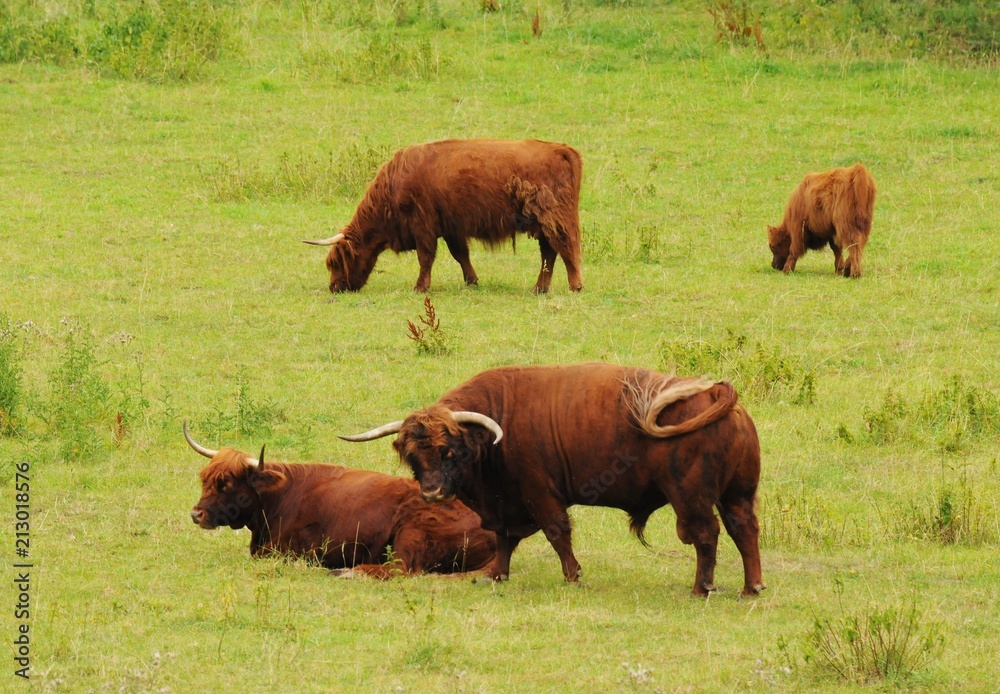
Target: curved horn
{"x": 377, "y": 433}
{"x": 481, "y": 420}
{"x": 207, "y": 452}
{"x": 326, "y": 242}
{"x": 259, "y": 462}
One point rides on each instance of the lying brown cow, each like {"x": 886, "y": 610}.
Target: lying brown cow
{"x": 543, "y": 438}
{"x": 340, "y": 517}
{"x": 833, "y": 207}
{"x": 459, "y": 190}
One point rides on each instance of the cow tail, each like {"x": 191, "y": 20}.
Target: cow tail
{"x": 654, "y": 404}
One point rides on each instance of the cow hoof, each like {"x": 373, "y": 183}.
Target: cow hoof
{"x": 704, "y": 591}
{"x": 753, "y": 591}
{"x": 501, "y": 578}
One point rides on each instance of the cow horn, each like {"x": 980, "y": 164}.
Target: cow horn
{"x": 326, "y": 242}
{"x": 481, "y": 420}
{"x": 260, "y": 460}
{"x": 207, "y": 452}
{"x": 377, "y": 433}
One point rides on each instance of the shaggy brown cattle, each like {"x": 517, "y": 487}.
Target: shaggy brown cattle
{"x": 338, "y": 516}
{"x": 543, "y": 438}
{"x": 832, "y": 207}
{"x": 460, "y": 189}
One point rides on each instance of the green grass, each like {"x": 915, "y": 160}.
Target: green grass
{"x": 204, "y": 305}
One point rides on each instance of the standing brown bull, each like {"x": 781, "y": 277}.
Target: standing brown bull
{"x": 459, "y": 190}
{"x": 549, "y": 437}
{"x": 340, "y": 517}
{"x": 834, "y": 207}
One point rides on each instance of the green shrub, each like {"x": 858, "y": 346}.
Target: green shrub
{"x": 171, "y": 39}
{"x": 80, "y": 409}
{"x": 380, "y": 55}
{"x": 889, "y": 643}
{"x": 11, "y": 377}
{"x": 247, "y": 417}
{"x": 920, "y": 27}
{"x": 26, "y": 36}
{"x": 758, "y": 371}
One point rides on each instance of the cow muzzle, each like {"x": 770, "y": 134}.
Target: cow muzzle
{"x": 435, "y": 495}
{"x": 200, "y": 518}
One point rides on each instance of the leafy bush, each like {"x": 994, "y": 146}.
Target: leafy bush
{"x": 248, "y": 417}
{"x": 889, "y": 643}
{"x": 951, "y": 416}
{"x": 171, "y": 39}
{"x": 757, "y": 371}
{"x": 24, "y": 36}
{"x": 956, "y": 513}
{"x": 921, "y": 27}
{"x": 80, "y": 410}
{"x": 11, "y": 377}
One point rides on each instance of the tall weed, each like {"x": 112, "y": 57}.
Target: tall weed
{"x": 244, "y": 415}
{"x": 80, "y": 409}
{"x": 380, "y": 55}
{"x": 878, "y": 644}
{"x": 957, "y": 512}
{"x": 298, "y": 175}
{"x": 11, "y": 376}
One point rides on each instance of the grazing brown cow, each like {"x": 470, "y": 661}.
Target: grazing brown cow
{"x": 459, "y": 190}
{"x": 340, "y": 517}
{"x": 519, "y": 445}
{"x": 832, "y": 207}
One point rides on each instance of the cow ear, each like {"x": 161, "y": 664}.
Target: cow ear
{"x": 270, "y": 480}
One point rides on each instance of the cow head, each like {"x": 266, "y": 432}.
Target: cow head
{"x": 439, "y": 447}
{"x": 350, "y": 264}
{"x": 231, "y": 486}
{"x": 781, "y": 245}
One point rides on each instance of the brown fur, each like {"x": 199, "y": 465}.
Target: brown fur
{"x": 465, "y": 189}
{"x": 341, "y": 517}
{"x": 834, "y": 207}
{"x": 573, "y": 435}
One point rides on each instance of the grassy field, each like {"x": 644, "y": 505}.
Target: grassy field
{"x": 152, "y": 268}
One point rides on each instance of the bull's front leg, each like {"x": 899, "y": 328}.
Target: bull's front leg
{"x": 797, "y": 248}
{"x": 838, "y": 258}
{"x": 499, "y": 570}
{"x": 551, "y": 515}
{"x": 425, "y": 256}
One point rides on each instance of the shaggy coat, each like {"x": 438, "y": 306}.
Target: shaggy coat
{"x": 459, "y": 190}
{"x": 834, "y": 207}
{"x": 340, "y": 517}
{"x": 599, "y": 435}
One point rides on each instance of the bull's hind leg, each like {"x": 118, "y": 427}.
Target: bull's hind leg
{"x": 852, "y": 267}
{"x": 548, "y": 263}
{"x": 741, "y": 523}
{"x": 459, "y": 249}
{"x": 698, "y": 526}
{"x": 425, "y": 256}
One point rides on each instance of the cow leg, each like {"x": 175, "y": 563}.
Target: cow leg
{"x": 838, "y": 257}
{"x": 499, "y": 570}
{"x": 459, "y": 249}
{"x": 699, "y": 527}
{"x": 425, "y": 256}
{"x": 852, "y": 268}
{"x": 741, "y": 523}
{"x": 552, "y": 516}
{"x": 548, "y": 264}
{"x": 572, "y": 258}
